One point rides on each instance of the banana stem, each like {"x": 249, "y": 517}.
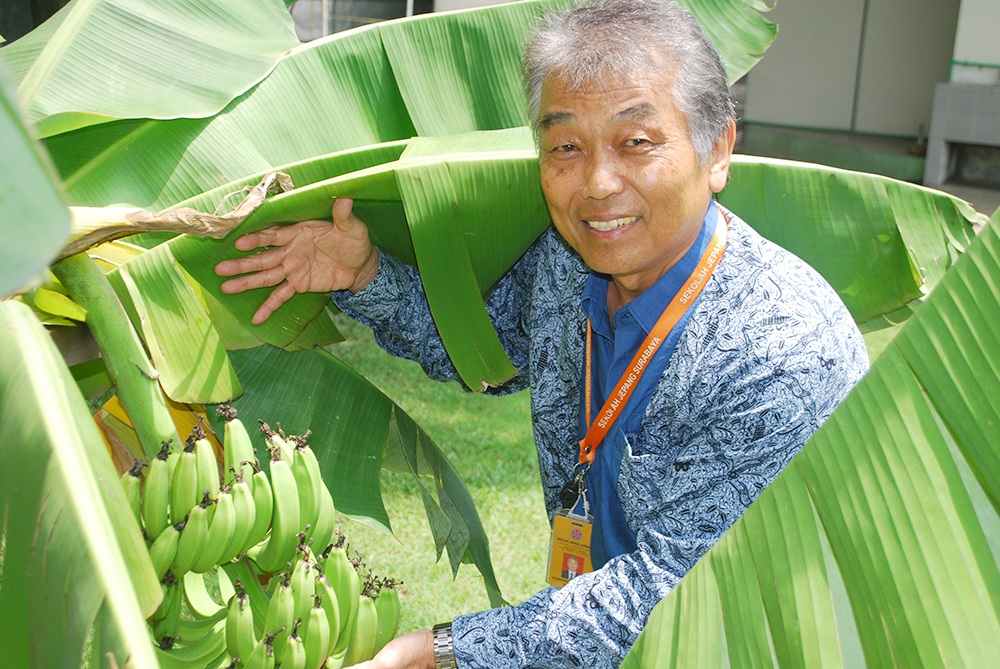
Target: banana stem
{"x": 128, "y": 365}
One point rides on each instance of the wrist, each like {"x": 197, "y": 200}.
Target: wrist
{"x": 367, "y": 273}
{"x": 444, "y": 647}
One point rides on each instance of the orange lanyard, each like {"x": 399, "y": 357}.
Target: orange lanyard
{"x": 668, "y": 319}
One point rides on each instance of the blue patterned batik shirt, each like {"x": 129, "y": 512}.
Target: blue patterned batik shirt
{"x": 768, "y": 352}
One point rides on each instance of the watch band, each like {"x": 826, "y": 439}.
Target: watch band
{"x": 444, "y": 649}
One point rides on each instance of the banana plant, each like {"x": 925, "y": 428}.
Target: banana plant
{"x": 361, "y": 114}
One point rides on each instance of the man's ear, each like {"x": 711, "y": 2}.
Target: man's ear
{"x": 722, "y": 152}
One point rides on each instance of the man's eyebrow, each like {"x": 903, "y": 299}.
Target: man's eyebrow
{"x": 552, "y": 118}
{"x": 636, "y": 113}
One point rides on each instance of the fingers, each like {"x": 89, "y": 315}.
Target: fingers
{"x": 261, "y": 279}
{"x": 343, "y": 211}
{"x": 344, "y": 219}
{"x": 258, "y": 262}
{"x": 278, "y": 296}
{"x": 278, "y": 235}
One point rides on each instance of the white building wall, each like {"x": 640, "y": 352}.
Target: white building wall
{"x": 806, "y": 77}
{"x": 906, "y": 52}
{"x": 448, "y": 5}
{"x": 977, "y": 43}
{"x": 810, "y": 77}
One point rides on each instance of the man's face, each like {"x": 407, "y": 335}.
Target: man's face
{"x": 621, "y": 177}
{"x": 572, "y": 563}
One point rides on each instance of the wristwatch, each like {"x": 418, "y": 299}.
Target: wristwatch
{"x": 444, "y": 649}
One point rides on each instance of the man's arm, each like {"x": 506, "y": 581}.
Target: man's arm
{"x": 395, "y": 307}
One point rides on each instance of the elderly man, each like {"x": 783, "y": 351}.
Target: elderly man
{"x": 676, "y": 359}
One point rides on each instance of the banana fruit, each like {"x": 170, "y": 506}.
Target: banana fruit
{"x": 279, "y": 548}
{"x": 156, "y": 498}
{"x": 240, "y": 635}
{"x": 132, "y": 485}
{"x": 388, "y": 610}
{"x": 316, "y": 613}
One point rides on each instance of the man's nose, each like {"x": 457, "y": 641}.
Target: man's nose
{"x": 602, "y": 176}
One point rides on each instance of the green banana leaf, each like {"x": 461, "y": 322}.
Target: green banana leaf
{"x": 881, "y": 243}
{"x": 462, "y": 181}
{"x": 878, "y": 544}
{"x": 471, "y": 205}
{"x": 73, "y": 545}
{"x": 185, "y": 348}
{"x": 99, "y": 60}
{"x": 443, "y": 73}
{"x": 27, "y": 249}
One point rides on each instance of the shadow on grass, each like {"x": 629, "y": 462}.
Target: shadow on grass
{"x": 489, "y": 441}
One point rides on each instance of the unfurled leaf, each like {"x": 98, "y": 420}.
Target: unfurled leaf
{"x": 98, "y": 60}
{"x": 72, "y": 543}
{"x": 35, "y": 220}
{"x": 185, "y": 348}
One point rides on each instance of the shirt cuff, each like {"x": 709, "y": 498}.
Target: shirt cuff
{"x": 390, "y": 284}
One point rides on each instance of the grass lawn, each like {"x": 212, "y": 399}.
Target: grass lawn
{"x": 489, "y": 441}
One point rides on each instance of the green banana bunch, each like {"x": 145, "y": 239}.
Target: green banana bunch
{"x": 206, "y": 651}
{"x": 317, "y": 614}
{"x": 388, "y": 609}
{"x": 192, "y": 539}
{"x": 156, "y": 497}
{"x": 132, "y": 485}
{"x": 279, "y": 547}
{"x": 237, "y": 450}
{"x": 220, "y": 532}
{"x": 240, "y": 635}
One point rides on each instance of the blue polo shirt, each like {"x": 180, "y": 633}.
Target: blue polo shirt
{"x": 613, "y": 350}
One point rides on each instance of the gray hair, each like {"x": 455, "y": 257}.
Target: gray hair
{"x": 614, "y": 39}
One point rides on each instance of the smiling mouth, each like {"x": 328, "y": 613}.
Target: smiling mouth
{"x": 604, "y": 226}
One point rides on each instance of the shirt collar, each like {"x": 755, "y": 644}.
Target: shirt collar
{"x": 648, "y": 307}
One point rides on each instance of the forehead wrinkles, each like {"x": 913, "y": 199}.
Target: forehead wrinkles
{"x": 638, "y": 112}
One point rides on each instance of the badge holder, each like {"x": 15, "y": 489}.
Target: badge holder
{"x": 569, "y": 555}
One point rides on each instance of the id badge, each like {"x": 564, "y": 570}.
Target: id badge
{"x": 570, "y": 553}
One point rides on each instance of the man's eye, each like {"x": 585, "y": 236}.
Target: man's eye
{"x": 636, "y": 142}
{"x": 565, "y": 148}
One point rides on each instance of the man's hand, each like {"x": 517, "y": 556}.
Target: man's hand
{"x": 410, "y": 651}
{"x": 308, "y": 257}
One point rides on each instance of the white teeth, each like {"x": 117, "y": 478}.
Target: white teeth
{"x": 611, "y": 225}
